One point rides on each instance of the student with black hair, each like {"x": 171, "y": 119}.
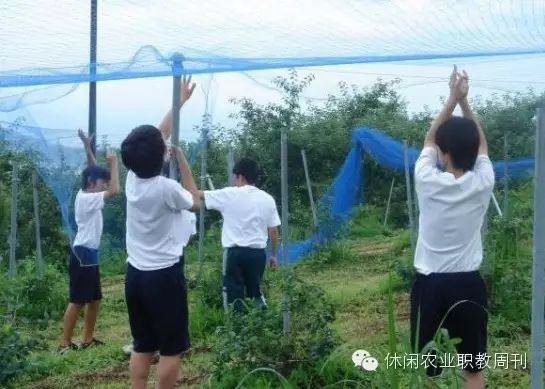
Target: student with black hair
{"x": 449, "y": 291}
{"x": 85, "y": 289}
{"x": 250, "y": 217}
{"x": 155, "y": 289}
{"x": 187, "y": 223}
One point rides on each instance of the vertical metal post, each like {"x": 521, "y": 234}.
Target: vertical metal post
{"x": 409, "y": 195}
{"x": 285, "y": 227}
{"x": 175, "y": 133}
{"x": 230, "y": 166}
{"x": 416, "y": 209}
{"x": 39, "y": 257}
{"x": 92, "y": 130}
{"x": 204, "y": 149}
{"x": 388, "y": 204}
{"x": 12, "y": 270}
{"x": 505, "y": 178}
{"x": 538, "y": 273}
{"x": 309, "y": 188}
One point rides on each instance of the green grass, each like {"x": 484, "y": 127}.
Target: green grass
{"x": 359, "y": 275}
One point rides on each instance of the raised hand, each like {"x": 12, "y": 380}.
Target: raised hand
{"x": 186, "y": 90}
{"x": 85, "y": 139}
{"x": 463, "y": 86}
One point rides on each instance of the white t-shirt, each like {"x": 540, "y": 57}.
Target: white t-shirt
{"x": 247, "y": 214}
{"x": 88, "y": 214}
{"x": 452, "y": 211}
{"x": 155, "y": 221}
{"x": 189, "y": 226}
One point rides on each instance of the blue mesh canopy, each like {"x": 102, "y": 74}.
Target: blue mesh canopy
{"x": 343, "y": 195}
{"x": 47, "y": 42}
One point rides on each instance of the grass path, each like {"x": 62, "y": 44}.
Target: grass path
{"x": 357, "y": 286}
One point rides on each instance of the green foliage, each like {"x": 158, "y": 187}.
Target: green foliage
{"x": 14, "y": 352}
{"x": 31, "y": 298}
{"x": 255, "y": 339}
{"x": 507, "y": 268}
{"x": 331, "y": 253}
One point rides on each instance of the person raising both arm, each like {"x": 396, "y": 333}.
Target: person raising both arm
{"x": 85, "y": 289}
{"x": 448, "y": 290}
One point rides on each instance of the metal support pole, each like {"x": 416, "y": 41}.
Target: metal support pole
{"x": 175, "y": 133}
{"x": 12, "y": 270}
{"x": 92, "y": 130}
{"x": 285, "y": 227}
{"x": 39, "y": 257}
{"x": 204, "y": 149}
{"x": 538, "y": 273}
{"x": 230, "y": 166}
{"x": 309, "y": 188}
{"x": 210, "y": 183}
{"x": 505, "y": 178}
{"x": 409, "y": 195}
{"x": 388, "y": 204}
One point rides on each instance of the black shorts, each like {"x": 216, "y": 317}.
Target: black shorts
{"x": 84, "y": 280}
{"x": 157, "y": 306}
{"x": 456, "y": 302}
{"x": 243, "y": 269}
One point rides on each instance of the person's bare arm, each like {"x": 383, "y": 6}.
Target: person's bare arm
{"x": 188, "y": 182}
{"x": 446, "y": 111}
{"x": 87, "y": 141}
{"x": 186, "y": 90}
{"x": 273, "y": 236}
{"x": 468, "y": 113}
{"x": 114, "y": 187}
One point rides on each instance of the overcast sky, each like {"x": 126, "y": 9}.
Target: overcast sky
{"x": 125, "y": 104}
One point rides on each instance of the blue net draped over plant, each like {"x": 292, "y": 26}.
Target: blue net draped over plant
{"x": 45, "y": 44}
{"x": 58, "y": 157}
{"x": 336, "y": 205}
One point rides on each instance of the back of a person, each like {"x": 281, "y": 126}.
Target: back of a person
{"x": 452, "y": 212}
{"x": 153, "y": 238}
{"x": 88, "y": 215}
{"x": 246, "y": 217}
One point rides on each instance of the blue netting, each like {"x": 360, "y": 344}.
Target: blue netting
{"x": 47, "y": 43}
{"x": 337, "y": 203}
{"x": 59, "y": 158}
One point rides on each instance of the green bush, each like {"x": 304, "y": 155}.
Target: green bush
{"x": 32, "y": 298}
{"x": 508, "y": 262}
{"x": 14, "y": 352}
{"x": 255, "y": 339}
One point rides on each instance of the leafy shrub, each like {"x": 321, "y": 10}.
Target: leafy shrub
{"x": 14, "y": 352}
{"x": 506, "y": 268}
{"x": 331, "y": 253}
{"x": 255, "y": 339}
{"x": 31, "y": 298}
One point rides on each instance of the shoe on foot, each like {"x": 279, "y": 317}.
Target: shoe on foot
{"x": 93, "y": 342}
{"x": 64, "y": 349}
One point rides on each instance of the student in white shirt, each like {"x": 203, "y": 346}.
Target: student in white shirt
{"x": 448, "y": 290}
{"x": 155, "y": 288}
{"x": 250, "y": 218}
{"x": 85, "y": 290}
{"x": 187, "y": 222}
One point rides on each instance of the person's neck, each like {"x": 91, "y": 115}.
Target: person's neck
{"x": 457, "y": 173}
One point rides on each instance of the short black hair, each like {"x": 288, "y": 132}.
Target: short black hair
{"x": 247, "y": 168}
{"x": 459, "y": 137}
{"x": 143, "y": 151}
{"x": 92, "y": 174}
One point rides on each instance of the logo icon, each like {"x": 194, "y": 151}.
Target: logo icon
{"x": 363, "y": 359}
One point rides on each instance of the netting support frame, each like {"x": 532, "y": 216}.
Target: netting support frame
{"x": 285, "y": 228}
{"x": 538, "y": 266}
{"x": 12, "y": 267}
{"x": 92, "y": 130}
